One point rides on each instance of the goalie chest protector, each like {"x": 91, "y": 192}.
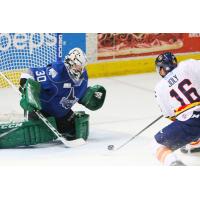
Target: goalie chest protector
{"x": 58, "y": 91}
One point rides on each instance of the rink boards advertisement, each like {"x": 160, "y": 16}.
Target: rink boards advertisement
{"x": 119, "y": 45}
{"x": 129, "y": 53}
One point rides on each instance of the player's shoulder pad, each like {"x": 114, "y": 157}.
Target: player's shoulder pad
{"x": 189, "y": 62}
{"x": 189, "y": 65}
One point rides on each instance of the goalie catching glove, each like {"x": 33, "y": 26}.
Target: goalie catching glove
{"x": 94, "y": 97}
{"x": 30, "y": 96}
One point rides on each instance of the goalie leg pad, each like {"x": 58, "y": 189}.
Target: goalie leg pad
{"x": 82, "y": 125}
{"x": 74, "y": 126}
{"x": 26, "y": 133}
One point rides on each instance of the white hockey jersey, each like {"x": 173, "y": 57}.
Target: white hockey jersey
{"x": 178, "y": 93}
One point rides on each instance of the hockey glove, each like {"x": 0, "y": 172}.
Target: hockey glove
{"x": 30, "y": 96}
{"x": 94, "y": 97}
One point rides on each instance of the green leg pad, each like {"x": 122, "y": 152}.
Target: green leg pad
{"x": 82, "y": 125}
{"x": 26, "y": 133}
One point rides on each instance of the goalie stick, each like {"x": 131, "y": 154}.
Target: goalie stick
{"x": 111, "y": 147}
{"x": 8, "y": 132}
{"x": 72, "y": 143}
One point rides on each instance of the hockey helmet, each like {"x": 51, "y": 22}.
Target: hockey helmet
{"x": 167, "y": 61}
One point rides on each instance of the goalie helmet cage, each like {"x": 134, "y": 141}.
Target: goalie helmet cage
{"x": 20, "y": 51}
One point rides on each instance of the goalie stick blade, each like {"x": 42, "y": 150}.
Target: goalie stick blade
{"x": 72, "y": 143}
{"x": 8, "y": 132}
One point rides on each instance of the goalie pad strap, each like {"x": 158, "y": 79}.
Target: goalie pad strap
{"x": 81, "y": 125}
{"x": 75, "y": 127}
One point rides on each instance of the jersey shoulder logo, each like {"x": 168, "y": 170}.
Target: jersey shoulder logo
{"x": 52, "y": 73}
{"x": 69, "y": 101}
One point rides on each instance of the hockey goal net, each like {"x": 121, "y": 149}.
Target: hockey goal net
{"x": 19, "y": 51}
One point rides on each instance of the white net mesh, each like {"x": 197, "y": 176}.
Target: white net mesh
{"x": 19, "y": 51}
{"x": 11, "y": 117}
{"x": 10, "y": 109}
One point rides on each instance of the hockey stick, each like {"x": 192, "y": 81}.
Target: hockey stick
{"x": 111, "y": 147}
{"x": 72, "y": 143}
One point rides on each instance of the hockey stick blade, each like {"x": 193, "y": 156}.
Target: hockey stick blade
{"x": 72, "y": 143}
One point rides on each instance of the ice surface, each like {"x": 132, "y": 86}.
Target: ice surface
{"x": 129, "y": 107}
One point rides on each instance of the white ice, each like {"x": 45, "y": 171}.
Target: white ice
{"x": 129, "y": 107}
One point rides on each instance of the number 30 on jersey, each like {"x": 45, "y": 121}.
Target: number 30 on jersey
{"x": 41, "y": 76}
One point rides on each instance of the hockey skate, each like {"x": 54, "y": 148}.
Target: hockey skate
{"x": 177, "y": 163}
{"x": 193, "y": 147}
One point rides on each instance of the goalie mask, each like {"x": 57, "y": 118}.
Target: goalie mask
{"x": 75, "y": 62}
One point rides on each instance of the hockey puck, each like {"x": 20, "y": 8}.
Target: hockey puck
{"x": 110, "y": 147}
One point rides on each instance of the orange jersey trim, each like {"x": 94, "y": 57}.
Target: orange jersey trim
{"x": 182, "y": 109}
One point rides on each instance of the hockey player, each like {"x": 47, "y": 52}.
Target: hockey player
{"x": 54, "y": 90}
{"x": 178, "y": 96}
